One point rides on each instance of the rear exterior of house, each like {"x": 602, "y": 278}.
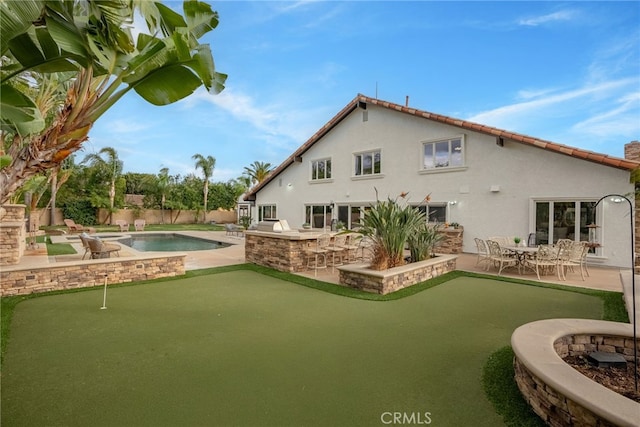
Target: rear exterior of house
{"x": 490, "y": 181}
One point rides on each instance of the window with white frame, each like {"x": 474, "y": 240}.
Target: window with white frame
{"x": 320, "y": 169}
{"x": 319, "y": 216}
{"x": 437, "y": 212}
{"x": 267, "y": 212}
{"x": 564, "y": 219}
{"x": 367, "y": 163}
{"x": 442, "y": 154}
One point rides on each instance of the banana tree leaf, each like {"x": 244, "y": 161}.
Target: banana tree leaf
{"x": 169, "y": 20}
{"x": 25, "y": 50}
{"x": 200, "y": 18}
{"x": 18, "y": 112}
{"x": 16, "y": 17}
{"x": 167, "y": 85}
{"x": 66, "y": 35}
{"x": 203, "y": 65}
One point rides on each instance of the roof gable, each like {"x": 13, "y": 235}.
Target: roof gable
{"x": 500, "y": 134}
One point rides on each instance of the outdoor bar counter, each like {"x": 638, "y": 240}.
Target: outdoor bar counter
{"x": 280, "y": 250}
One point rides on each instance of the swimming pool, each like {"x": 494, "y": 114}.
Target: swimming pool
{"x": 170, "y": 242}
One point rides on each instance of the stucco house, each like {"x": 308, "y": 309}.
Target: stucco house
{"x": 491, "y": 181}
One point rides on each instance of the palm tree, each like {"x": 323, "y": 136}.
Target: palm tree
{"x": 112, "y": 165}
{"x": 163, "y": 185}
{"x": 207, "y": 164}
{"x": 257, "y": 171}
{"x": 106, "y": 63}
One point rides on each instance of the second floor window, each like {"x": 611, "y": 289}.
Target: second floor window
{"x": 367, "y": 163}
{"x": 321, "y": 169}
{"x": 447, "y": 153}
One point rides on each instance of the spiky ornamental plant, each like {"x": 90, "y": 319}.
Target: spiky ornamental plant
{"x": 423, "y": 241}
{"x": 389, "y": 225}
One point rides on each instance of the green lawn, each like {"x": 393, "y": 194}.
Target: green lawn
{"x": 244, "y": 348}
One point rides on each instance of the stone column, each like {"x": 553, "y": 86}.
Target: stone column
{"x": 632, "y": 152}
{"x": 13, "y": 233}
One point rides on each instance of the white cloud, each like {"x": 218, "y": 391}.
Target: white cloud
{"x": 563, "y": 15}
{"x": 621, "y": 120}
{"x": 519, "y": 111}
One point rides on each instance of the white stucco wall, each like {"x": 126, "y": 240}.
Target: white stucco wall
{"x": 523, "y": 174}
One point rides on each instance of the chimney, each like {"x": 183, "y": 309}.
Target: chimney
{"x": 632, "y": 151}
{"x": 406, "y": 101}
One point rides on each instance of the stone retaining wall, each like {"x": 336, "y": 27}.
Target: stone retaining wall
{"x": 393, "y": 279}
{"x": 558, "y": 393}
{"x": 66, "y": 275}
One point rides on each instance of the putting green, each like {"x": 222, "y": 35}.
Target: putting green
{"x": 241, "y": 348}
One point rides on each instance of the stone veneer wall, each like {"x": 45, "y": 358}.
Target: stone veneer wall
{"x": 12, "y": 233}
{"x": 452, "y": 242}
{"x": 632, "y": 152}
{"x": 281, "y": 254}
{"x": 89, "y": 273}
{"x": 553, "y": 407}
{"x": 391, "y": 280}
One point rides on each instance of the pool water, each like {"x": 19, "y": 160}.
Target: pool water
{"x": 170, "y": 242}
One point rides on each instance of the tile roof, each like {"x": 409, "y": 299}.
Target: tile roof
{"x": 579, "y": 153}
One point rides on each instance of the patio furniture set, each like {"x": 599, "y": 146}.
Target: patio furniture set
{"x": 95, "y": 247}
{"x": 563, "y": 256}
{"x": 138, "y": 225}
{"x": 339, "y": 249}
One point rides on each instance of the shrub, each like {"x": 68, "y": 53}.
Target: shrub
{"x": 80, "y": 211}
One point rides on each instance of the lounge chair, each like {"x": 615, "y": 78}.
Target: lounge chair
{"x": 72, "y": 227}
{"x": 139, "y": 224}
{"x": 100, "y": 249}
{"x": 124, "y": 225}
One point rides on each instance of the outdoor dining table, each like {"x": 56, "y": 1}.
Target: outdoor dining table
{"x": 521, "y": 254}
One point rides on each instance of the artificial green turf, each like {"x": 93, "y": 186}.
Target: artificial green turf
{"x": 243, "y": 348}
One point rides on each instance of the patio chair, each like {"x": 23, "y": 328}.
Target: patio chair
{"x": 570, "y": 255}
{"x": 84, "y": 238}
{"x": 233, "y": 230}
{"x": 337, "y": 248}
{"x": 351, "y": 246}
{"x": 72, "y": 227}
{"x": 501, "y": 240}
{"x": 124, "y": 225}
{"x": 100, "y": 249}
{"x": 316, "y": 253}
{"x": 139, "y": 224}
{"x": 483, "y": 252}
{"x": 365, "y": 248}
{"x": 501, "y": 258}
{"x": 544, "y": 260}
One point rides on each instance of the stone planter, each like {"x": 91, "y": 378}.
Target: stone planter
{"x": 559, "y": 394}
{"x": 360, "y": 276}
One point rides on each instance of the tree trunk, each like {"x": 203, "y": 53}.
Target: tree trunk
{"x": 39, "y": 153}
{"x": 54, "y": 192}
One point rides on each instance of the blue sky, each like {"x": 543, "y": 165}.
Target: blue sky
{"x": 568, "y": 72}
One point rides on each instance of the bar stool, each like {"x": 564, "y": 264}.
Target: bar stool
{"x": 317, "y": 252}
